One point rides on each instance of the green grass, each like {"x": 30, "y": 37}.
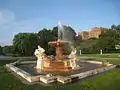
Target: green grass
{"x": 108, "y": 81}
{"x": 112, "y": 61}
{"x": 111, "y": 58}
{"x": 113, "y": 55}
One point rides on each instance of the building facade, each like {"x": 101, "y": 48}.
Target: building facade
{"x": 94, "y": 33}
{"x": 84, "y": 35}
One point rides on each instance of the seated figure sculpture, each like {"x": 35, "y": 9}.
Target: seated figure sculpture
{"x": 47, "y": 63}
{"x": 39, "y": 53}
{"x": 73, "y": 59}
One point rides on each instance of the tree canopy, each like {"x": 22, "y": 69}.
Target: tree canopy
{"x": 1, "y": 50}
{"x": 115, "y": 27}
{"x": 25, "y": 43}
{"x": 108, "y": 40}
{"x": 7, "y": 50}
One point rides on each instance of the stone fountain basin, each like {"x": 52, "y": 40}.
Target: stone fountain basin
{"x": 84, "y": 66}
{"x": 27, "y": 70}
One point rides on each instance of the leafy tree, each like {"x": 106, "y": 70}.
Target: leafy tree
{"x": 55, "y": 33}
{"x": 25, "y": 43}
{"x": 68, "y": 33}
{"x": 78, "y": 40}
{"x": 88, "y": 46}
{"x": 7, "y": 49}
{"x": 1, "y": 51}
{"x": 46, "y": 36}
{"x": 117, "y": 46}
{"x": 108, "y": 40}
{"x": 115, "y": 27}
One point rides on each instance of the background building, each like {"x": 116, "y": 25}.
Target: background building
{"x": 84, "y": 35}
{"x": 94, "y": 33}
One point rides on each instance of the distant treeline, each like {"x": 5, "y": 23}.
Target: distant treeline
{"x": 24, "y": 44}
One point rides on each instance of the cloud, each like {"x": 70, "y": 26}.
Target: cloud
{"x": 6, "y": 16}
{"x": 9, "y": 26}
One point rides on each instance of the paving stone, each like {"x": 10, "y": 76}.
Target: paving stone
{"x": 47, "y": 80}
{"x": 74, "y": 78}
{"x": 50, "y": 79}
{"x": 63, "y": 80}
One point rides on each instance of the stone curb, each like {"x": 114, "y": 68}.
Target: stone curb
{"x": 52, "y": 79}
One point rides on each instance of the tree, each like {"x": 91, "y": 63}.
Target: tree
{"x": 46, "y": 36}
{"x": 7, "y": 50}
{"x": 89, "y": 46}
{"x": 115, "y": 27}
{"x": 117, "y": 46}
{"x": 1, "y": 51}
{"x": 108, "y": 40}
{"x": 25, "y": 43}
{"x": 55, "y": 33}
{"x": 78, "y": 40}
{"x": 68, "y": 33}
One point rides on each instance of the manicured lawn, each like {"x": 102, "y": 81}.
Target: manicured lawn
{"x": 112, "y": 61}
{"x": 107, "y": 81}
{"x": 113, "y": 55}
{"x": 111, "y": 58}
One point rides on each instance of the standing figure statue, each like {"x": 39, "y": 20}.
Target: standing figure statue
{"x": 39, "y": 53}
{"x": 73, "y": 59}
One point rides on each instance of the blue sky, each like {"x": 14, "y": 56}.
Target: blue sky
{"x": 33, "y": 15}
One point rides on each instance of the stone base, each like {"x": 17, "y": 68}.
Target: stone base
{"x": 63, "y": 80}
{"x": 48, "y": 80}
{"x": 56, "y": 69}
{"x": 23, "y": 74}
{"x": 56, "y": 66}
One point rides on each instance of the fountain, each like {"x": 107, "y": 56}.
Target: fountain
{"x": 60, "y": 68}
{"x": 60, "y": 63}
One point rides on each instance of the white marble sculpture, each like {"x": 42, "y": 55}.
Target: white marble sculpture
{"x": 73, "y": 59}
{"x": 39, "y": 53}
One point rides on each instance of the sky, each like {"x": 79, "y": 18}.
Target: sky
{"x": 33, "y": 15}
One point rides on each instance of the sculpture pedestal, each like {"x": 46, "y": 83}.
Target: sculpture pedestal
{"x": 56, "y": 66}
{"x": 39, "y": 64}
{"x": 59, "y": 49}
{"x": 59, "y": 53}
